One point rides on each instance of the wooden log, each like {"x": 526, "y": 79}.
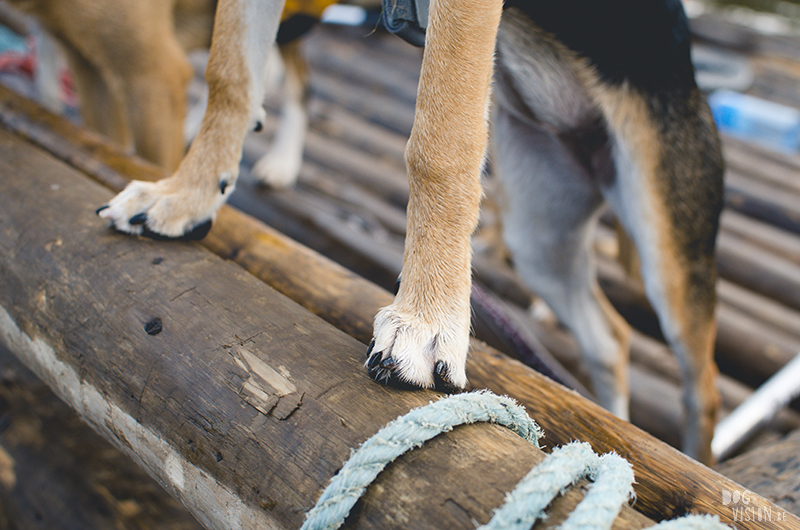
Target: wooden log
{"x": 713, "y": 29}
{"x": 775, "y": 277}
{"x": 747, "y": 346}
{"x": 669, "y": 484}
{"x": 58, "y": 474}
{"x": 771, "y": 239}
{"x": 772, "y": 470}
{"x": 772, "y": 167}
{"x": 762, "y": 202}
{"x": 759, "y": 308}
{"x": 241, "y": 403}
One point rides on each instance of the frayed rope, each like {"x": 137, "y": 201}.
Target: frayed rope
{"x": 611, "y": 474}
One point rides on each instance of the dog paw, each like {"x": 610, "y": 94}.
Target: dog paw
{"x": 277, "y": 170}
{"x": 161, "y": 210}
{"x": 409, "y": 352}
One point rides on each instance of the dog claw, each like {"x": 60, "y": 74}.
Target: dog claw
{"x": 104, "y": 207}
{"x": 195, "y": 234}
{"x": 138, "y": 219}
{"x": 371, "y": 346}
{"x": 223, "y": 185}
{"x": 387, "y": 363}
{"x": 383, "y": 371}
{"x": 442, "y": 380}
{"x": 258, "y": 127}
{"x": 374, "y": 361}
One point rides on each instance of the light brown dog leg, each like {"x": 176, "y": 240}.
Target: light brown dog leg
{"x": 422, "y": 338}
{"x": 174, "y": 207}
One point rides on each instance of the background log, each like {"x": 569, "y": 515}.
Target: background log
{"x": 773, "y": 468}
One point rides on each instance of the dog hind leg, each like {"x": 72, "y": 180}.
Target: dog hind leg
{"x": 550, "y": 211}
{"x": 280, "y": 167}
{"x": 668, "y": 196}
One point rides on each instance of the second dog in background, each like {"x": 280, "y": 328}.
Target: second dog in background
{"x": 134, "y": 89}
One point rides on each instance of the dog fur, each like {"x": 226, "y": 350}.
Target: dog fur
{"x": 594, "y": 102}
{"x": 607, "y": 110}
{"x": 133, "y": 89}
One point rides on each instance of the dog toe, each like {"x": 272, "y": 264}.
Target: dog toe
{"x": 443, "y": 380}
{"x": 409, "y": 352}
{"x": 384, "y": 370}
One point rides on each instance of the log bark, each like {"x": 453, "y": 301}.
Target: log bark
{"x": 669, "y": 483}
{"x": 58, "y": 474}
{"x": 773, "y": 469}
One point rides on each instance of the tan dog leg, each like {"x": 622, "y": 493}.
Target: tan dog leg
{"x": 668, "y": 195}
{"x": 244, "y": 30}
{"x": 280, "y": 167}
{"x": 422, "y": 338}
{"x": 130, "y": 70}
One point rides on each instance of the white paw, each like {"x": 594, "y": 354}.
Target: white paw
{"x": 409, "y": 351}
{"x": 277, "y": 170}
{"x": 163, "y": 210}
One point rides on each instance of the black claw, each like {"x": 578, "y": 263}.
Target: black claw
{"x": 223, "y": 184}
{"x": 387, "y": 363}
{"x": 258, "y": 126}
{"x": 198, "y": 232}
{"x": 104, "y": 207}
{"x": 371, "y": 345}
{"x": 374, "y": 361}
{"x": 138, "y": 219}
{"x": 195, "y": 234}
{"x": 397, "y": 286}
{"x": 442, "y": 380}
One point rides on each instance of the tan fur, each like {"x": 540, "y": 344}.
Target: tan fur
{"x": 692, "y": 328}
{"x": 129, "y": 65}
{"x": 444, "y": 157}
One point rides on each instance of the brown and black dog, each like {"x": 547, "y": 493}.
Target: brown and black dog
{"x": 595, "y": 101}
{"x": 606, "y": 110}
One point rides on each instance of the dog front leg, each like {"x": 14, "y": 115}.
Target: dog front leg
{"x": 185, "y": 203}
{"x": 421, "y": 340}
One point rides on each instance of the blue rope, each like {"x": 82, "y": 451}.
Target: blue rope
{"x": 408, "y": 432}
{"x": 611, "y": 474}
{"x": 613, "y": 479}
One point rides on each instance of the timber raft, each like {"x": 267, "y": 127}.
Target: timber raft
{"x": 249, "y": 440}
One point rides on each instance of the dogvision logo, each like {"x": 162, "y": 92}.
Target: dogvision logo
{"x": 743, "y": 509}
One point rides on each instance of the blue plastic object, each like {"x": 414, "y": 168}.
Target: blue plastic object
{"x": 763, "y": 122}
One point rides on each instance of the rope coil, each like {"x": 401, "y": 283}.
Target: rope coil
{"x": 611, "y": 474}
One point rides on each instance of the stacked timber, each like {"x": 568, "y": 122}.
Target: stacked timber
{"x": 239, "y": 401}
{"x": 243, "y": 405}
